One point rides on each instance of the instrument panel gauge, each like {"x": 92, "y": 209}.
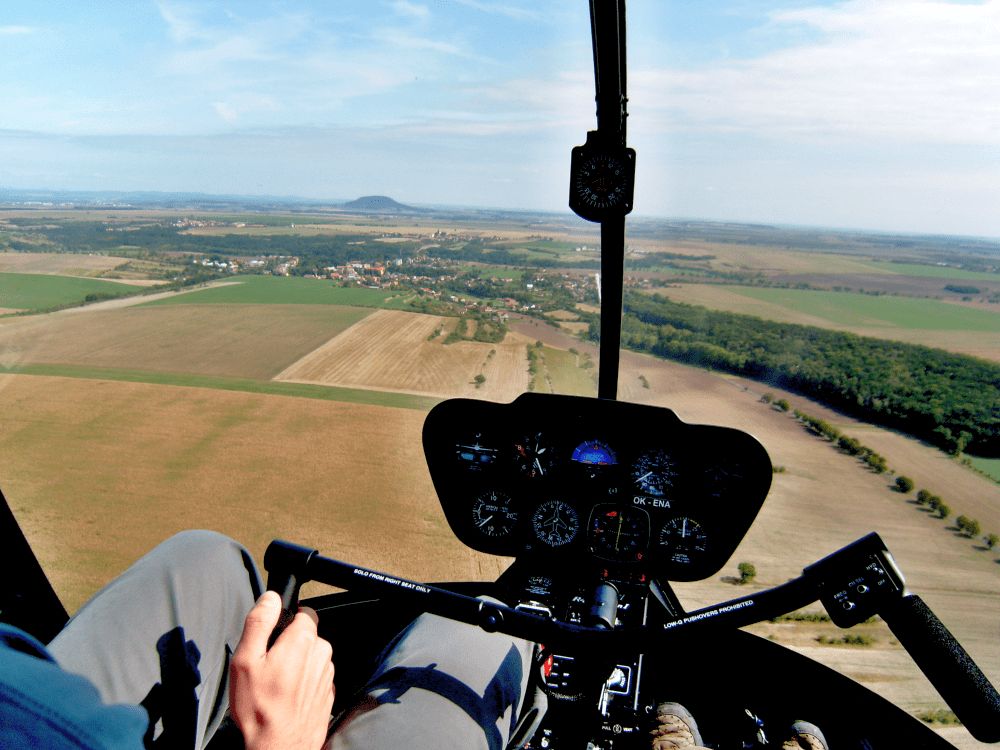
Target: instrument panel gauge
{"x": 475, "y": 456}
{"x": 594, "y": 452}
{"x": 683, "y": 539}
{"x": 555, "y": 523}
{"x": 492, "y": 514}
{"x": 533, "y": 456}
{"x": 654, "y": 473}
{"x": 619, "y": 533}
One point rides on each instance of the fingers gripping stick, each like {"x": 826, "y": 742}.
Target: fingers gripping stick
{"x": 287, "y": 569}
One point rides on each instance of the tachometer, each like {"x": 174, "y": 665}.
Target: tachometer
{"x": 555, "y": 523}
{"x": 492, "y": 513}
{"x": 683, "y": 539}
{"x": 654, "y": 473}
{"x": 619, "y": 533}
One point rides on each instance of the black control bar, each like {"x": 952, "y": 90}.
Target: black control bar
{"x": 854, "y": 584}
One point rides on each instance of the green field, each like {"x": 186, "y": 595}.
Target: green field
{"x": 933, "y": 272}
{"x": 286, "y": 290}
{"x": 561, "y": 371}
{"x": 864, "y": 310}
{"x": 31, "y": 291}
{"x": 990, "y": 466}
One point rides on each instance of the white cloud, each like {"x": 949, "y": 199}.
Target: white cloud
{"x": 502, "y": 9}
{"x": 915, "y": 70}
{"x": 16, "y": 30}
{"x": 412, "y": 10}
{"x": 181, "y": 20}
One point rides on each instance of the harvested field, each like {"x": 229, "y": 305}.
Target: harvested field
{"x": 98, "y": 472}
{"x": 825, "y": 499}
{"x": 59, "y": 264}
{"x": 390, "y": 350}
{"x": 253, "y": 341}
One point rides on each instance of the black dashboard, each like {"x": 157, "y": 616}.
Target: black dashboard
{"x": 575, "y": 481}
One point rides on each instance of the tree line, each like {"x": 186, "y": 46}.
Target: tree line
{"x": 949, "y": 400}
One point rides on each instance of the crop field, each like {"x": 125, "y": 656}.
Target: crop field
{"x": 250, "y": 341}
{"x": 62, "y": 264}
{"x": 562, "y": 371}
{"x": 98, "y": 472}
{"x": 953, "y": 327}
{"x": 281, "y": 290}
{"x": 934, "y": 272}
{"x": 393, "y": 350}
{"x": 989, "y": 466}
{"x": 36, "y": 291}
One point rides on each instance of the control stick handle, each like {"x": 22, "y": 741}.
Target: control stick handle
{"x": 287, "y": 569}
{"x": 947, "y": 665}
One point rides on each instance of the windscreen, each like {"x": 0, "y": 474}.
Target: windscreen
{"x": 246, "y": 248}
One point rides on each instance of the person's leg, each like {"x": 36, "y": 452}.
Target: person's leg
{"x": 161, "y": 633}
{"x": 441, "y": 685}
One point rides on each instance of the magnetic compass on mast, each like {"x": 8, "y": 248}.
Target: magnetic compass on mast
{"x": 602, "y": 177}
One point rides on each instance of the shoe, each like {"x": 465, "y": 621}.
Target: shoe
{"x": 805, "y": 736}
{"x": 674, "y": 728}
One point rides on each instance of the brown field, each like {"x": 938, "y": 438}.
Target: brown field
{"x": 58, "y": 264}
{"x": 769, "y": 260}
{"x": 98, "y": 472}
{"x": 254, "y": 341}
{"x": 826, "y": 499}
{"x": 389, "y": 350}
{"x": 975, "y": 343}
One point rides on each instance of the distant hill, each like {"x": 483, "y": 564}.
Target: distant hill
{"x": 381, "y": 204}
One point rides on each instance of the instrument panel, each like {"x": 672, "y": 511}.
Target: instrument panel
{"x": 576, "y": 480}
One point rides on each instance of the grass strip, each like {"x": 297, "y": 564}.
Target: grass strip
{"x": 246, "y": 385}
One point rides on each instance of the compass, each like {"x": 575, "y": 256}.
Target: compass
{"x": 601, "y": 180}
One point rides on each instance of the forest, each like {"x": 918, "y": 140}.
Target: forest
{"x": 949, "y": 400}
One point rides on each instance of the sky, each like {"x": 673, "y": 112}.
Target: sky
{"x": 867, "y": 114}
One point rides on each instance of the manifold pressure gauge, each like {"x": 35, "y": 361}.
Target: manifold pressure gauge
{"x": 602, "y": 179}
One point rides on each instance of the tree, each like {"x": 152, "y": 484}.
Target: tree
{"x": 904, "y": 484}
{"x": 783, "y": 404}
{"x": 748, "y": 571}
{"x": 991, "y": 540}
{"x": 972, "y": 528}
{"x": 923, "y": 496}
{"x": 942, "y": 509}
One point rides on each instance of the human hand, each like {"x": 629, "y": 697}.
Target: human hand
{"x": 281, "y": 698}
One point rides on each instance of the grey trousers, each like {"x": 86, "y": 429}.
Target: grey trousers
{"x": 161, "y": 635}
